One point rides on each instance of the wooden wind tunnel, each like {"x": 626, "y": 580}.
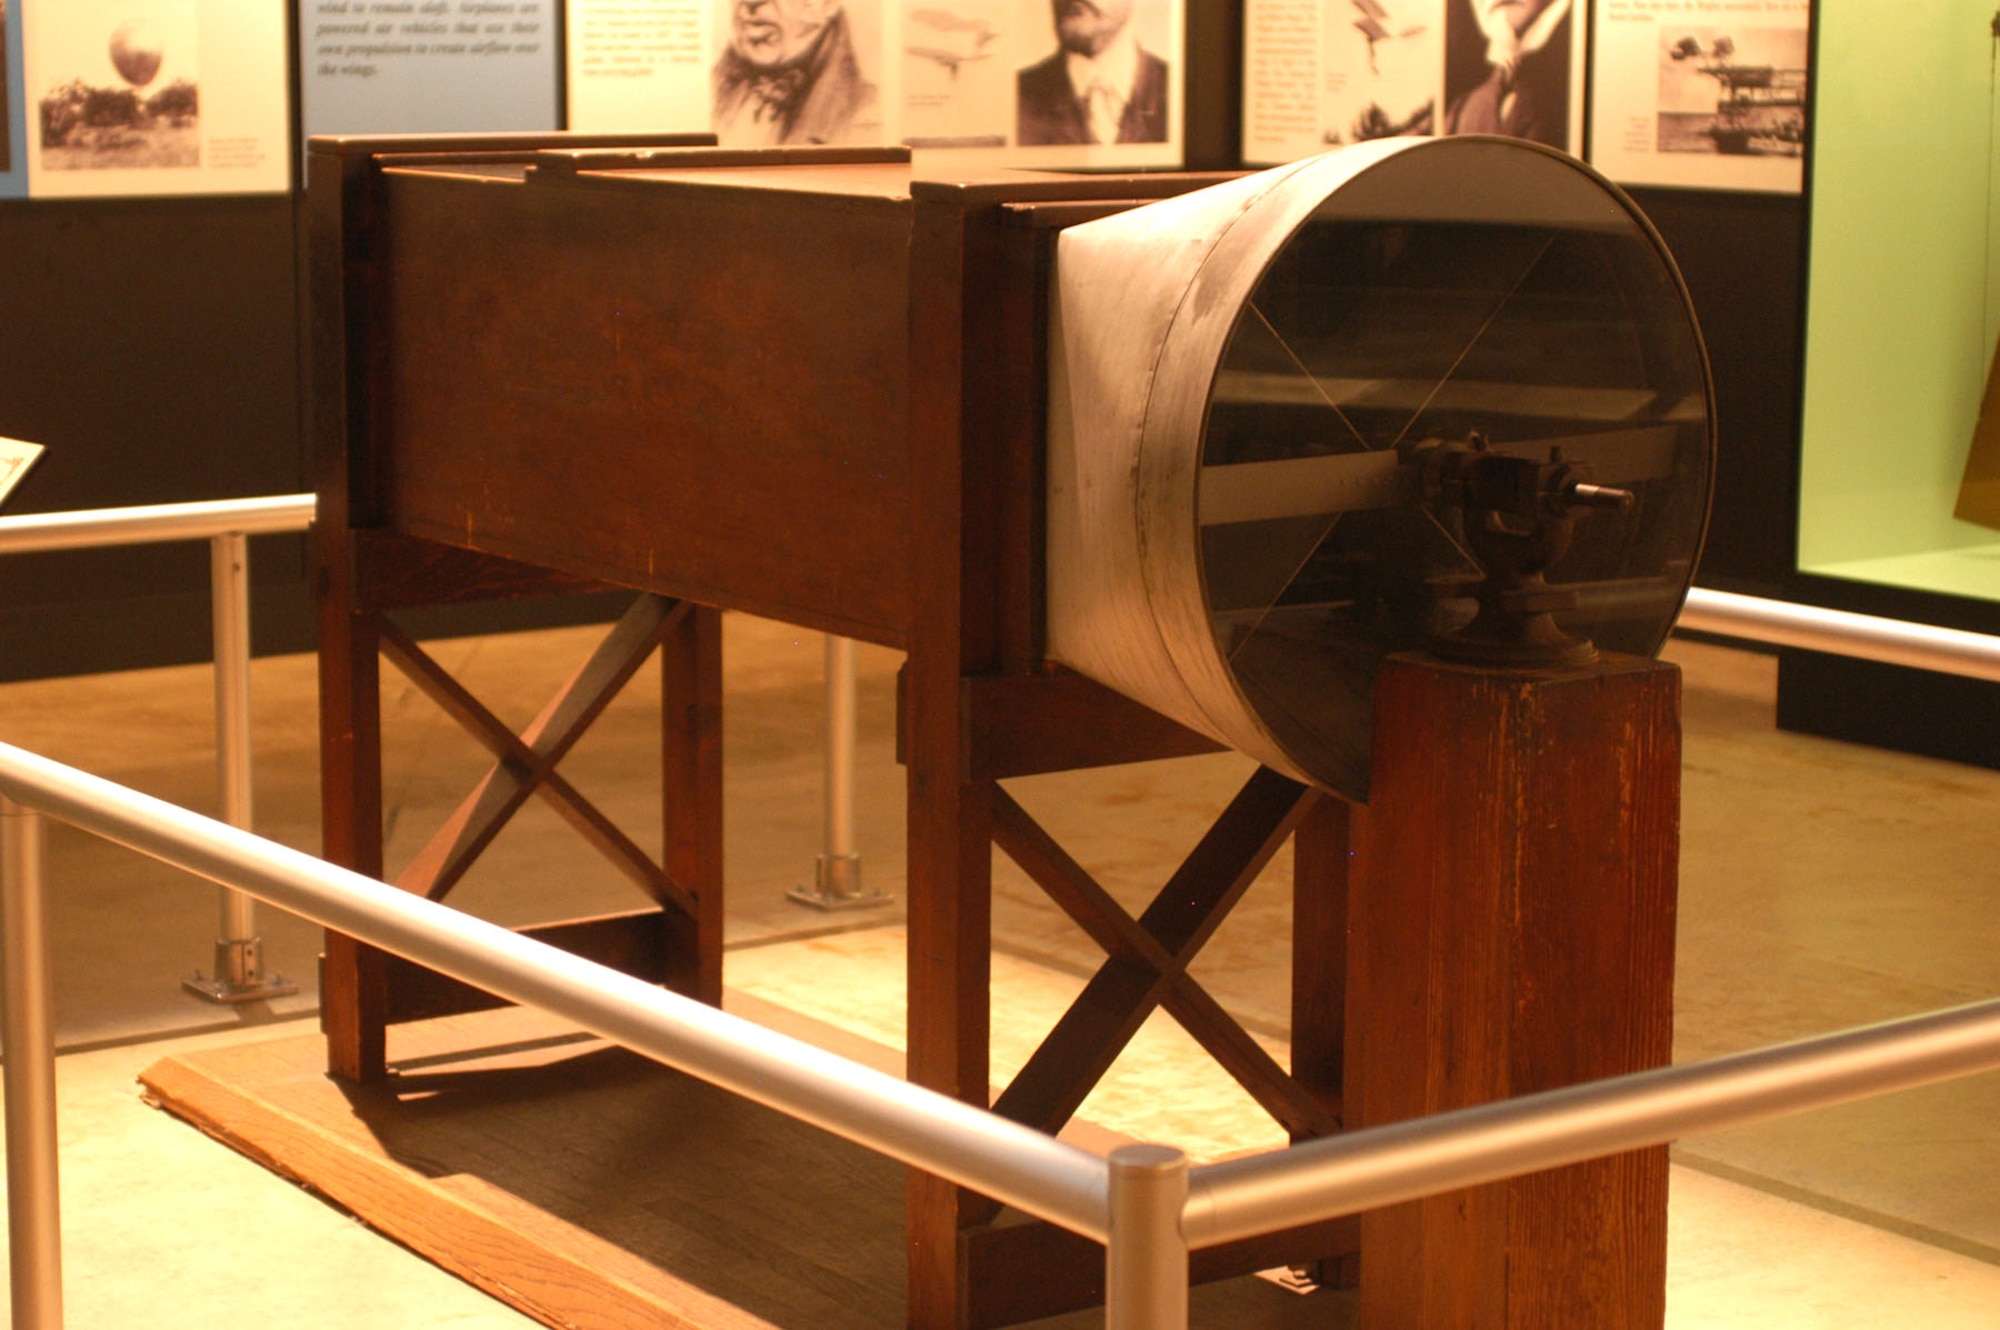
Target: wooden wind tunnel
{"x": 546, "y": 364}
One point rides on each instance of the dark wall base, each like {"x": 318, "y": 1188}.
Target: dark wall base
{"x": 1889, "y": 706}
{"x": 140, "y": 632}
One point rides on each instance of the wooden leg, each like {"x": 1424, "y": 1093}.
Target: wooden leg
{"x": 1321, "y": 858}
{"x": 353, "y": 988}
{"x": 680, "y": 943}
{"x": 1148, "y": 958}
{"x": 691, "y": 748}
{"x": 1513, "y": 925}
{"x": 526, "y": 764}
{"x": 1320, "y": 849}
{"x": 950, "y": 969}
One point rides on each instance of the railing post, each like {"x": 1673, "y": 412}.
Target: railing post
{"x": 837, "y": 875}
{"x": 1146, "y": 1260}
{"x": 27, "y": 1025}
{"x": 239, "y": 953}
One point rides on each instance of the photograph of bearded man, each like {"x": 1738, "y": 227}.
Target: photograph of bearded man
{"x": 790, "y": 75}
{"x": 1099, "y": 86}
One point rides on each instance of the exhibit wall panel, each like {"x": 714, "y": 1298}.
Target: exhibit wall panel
{"x": 1901, "y": 301}
{"x": 464, "y": 66}
{"x": 1741, "y": 256}
{"x": 13, "y": 119}
{"x": 150, "y": 345}
{"x": 192, "y": 97}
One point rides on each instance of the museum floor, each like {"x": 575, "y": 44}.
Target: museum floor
{"x": 1822, "y": 886}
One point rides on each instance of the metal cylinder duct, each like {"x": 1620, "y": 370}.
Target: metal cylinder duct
{"x": 1260, "y": 396}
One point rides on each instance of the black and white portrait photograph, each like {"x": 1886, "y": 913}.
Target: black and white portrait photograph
{"x": 798, "y": 71}
{"x": 1740, "y": 92}
{"x": 120, "y": 86}
{"x": 1100, "y": 81}
{"x": 1508, "y": 69}
{"x": 1381, "y": 68}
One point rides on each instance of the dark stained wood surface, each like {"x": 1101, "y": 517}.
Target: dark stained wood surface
{"x": 691, "y": 797}
{"x": 1148, "y": 958}
{"x": 813, "y": 391}
{"x": 569, "y": 162}
{"x": 1018, "y": 1270}
{"x": 525, "y": 764}
{"x": 1321, "y": 850}
{"x": 402, "y": 571}
{"x": 353, "y": 996}
{"x": 1025, "y": 724}
{"x": 809, "y": 389}
{"x": 950, "y": 863}
{"x": 633, "y": 943}
{"x": 682, "y": 389}
{"x": 1513, "y": 931}
{"x": 582, "y": 1184}
{"x": 591, "y": 1188}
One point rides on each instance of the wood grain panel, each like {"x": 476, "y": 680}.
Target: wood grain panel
{"x": 684, "y": 389}
{"x": 1512, "y": 931}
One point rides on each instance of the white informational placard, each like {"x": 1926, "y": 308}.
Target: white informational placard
{"x": 156, "y": 97}
{"x": 1322, "y": 73}
{"x": 1709, "y": 94}
{"x": 980, "y": 79}
{"x": 428, "y": 66}
{"x": 13, "y": 115}
{"x": 15, "y": 459}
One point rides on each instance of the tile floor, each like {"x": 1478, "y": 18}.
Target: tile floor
{"x": 1823, "y": 886}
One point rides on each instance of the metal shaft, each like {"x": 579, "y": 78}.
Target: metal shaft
{"x": 229, "y": 578}
{"x": 94, "y": 528}
{"x": 837, "y": 873}
{"x": 1401, "y": 1161}
{"x": 27, "y": 993}
{"x": 1146, "y": 1257}
{"x": 840, "y": 746}
{"x": 1920, "y": 646}
{"x": 1005, "y": 1160}
{"x": 239, "y": 974}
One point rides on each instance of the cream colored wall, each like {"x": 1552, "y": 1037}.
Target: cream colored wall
{"x": 1901, "y": 312}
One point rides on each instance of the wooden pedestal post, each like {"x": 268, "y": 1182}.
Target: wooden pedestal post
{"x": 1513, "y": 931}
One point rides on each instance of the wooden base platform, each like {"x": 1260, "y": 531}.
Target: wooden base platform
{"x": 589, "y": 1187}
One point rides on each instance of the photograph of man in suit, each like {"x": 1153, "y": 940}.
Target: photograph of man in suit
{"x": 1507, "y": 69}
{"x": 1098, "y": 86}
{"x": 789, "y": 75}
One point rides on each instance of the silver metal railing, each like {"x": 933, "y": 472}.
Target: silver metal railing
{"x": 1362, "y": 1170}
{"x": 238, "y": 974}
{"x": 836, "y": 881}
{"x": 1024, "y": 1168}
{"x": 28, "y": 1029}
{"x": 1891, "y": 641}
{"x": 1145, "y": 1203}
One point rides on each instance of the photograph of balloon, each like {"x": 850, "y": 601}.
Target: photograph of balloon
{"x": 120, "y": 86}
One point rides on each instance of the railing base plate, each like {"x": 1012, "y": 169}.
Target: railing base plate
{"x": 825, "y": 900}
{"x": 257, "y": 990}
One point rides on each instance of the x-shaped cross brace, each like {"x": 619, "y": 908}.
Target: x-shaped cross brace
{"x": 1148, "y": 957}
{"x": 525, "y": 765}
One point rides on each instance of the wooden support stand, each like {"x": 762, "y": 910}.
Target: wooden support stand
{"x": 542, "y": 365}
{"x": 1513, "y": 931}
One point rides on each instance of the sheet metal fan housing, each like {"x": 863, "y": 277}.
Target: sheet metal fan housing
{"x": 1250, "y": 384}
